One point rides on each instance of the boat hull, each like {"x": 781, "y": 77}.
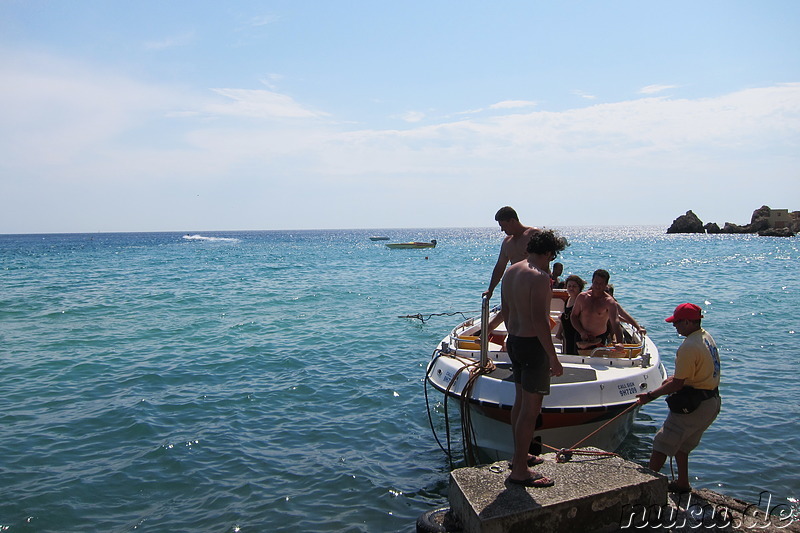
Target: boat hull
{"x": 411, "y": 245}
{"x": 557, "y": 431}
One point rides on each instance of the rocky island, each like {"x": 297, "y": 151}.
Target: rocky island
{"x": 765, "y": 222}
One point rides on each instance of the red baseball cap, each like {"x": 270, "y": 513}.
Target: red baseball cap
{"x": 686, "y": 312}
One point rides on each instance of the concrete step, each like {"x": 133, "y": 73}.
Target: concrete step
{"x": 591, "y": 493}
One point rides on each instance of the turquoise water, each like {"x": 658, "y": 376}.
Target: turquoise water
{"x": 262, "y": 381}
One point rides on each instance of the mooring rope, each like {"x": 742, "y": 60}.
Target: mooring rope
{"x": 470, "y": 442}
{"x": 466, "y": 423}
{"x": 436, "y": 354}
{"x": 565, "y": 454}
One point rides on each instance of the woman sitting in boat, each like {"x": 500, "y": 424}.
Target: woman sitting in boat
{"x": 574, "y": 286}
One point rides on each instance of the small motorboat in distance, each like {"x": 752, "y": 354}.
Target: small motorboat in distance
{"x": 379, "y": 238}
{"x": 401, "y": 245}
{"x": 594, "y": 398}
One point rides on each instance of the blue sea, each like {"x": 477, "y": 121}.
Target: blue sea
{"x": 264, "y": 381}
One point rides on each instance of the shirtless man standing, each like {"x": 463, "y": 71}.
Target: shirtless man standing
{"x": 526, "y": 296}
{"x": 514, "y": 244}
{"x": 512, "y": 250}
{"x": 594, "y": 310}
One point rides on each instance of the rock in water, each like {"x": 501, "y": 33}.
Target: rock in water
{"x": 776, "y": 232}
{"x": 688, "y": 223}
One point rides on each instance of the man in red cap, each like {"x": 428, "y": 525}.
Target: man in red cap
{"x": 694, "y": 400}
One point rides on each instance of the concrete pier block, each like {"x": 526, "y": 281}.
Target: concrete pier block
{"x": 591, "y": 494}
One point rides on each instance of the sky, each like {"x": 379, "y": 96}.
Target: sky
{"x": 332, "y": 114}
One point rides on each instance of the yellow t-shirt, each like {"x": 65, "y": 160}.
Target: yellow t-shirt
{"x": 697, "y": 361}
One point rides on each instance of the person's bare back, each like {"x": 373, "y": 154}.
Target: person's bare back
{"x": 526, "y": 298}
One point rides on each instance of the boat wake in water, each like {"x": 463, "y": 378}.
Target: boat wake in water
{"x": 209, "y": 239}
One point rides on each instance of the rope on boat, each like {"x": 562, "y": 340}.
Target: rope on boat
{"x": 469, "y": 441}
{"x": 436, "y": 354}
{"x": 424, "y": 318}
{"x": 563, "y": 455}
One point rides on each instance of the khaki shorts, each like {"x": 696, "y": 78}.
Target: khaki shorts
{"x": 682, "y": 432}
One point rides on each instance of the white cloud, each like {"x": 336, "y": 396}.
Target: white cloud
{"x": 251, "y": 103}
{"x": 173, "y": 41}
{"x": 754, "y": 116}
{"x": 264, "y": 20}
{"x": 583, "y": 95}
{"x": 653, "y": 89}
{"x": 269, "y": 81}
{"x": 513, "y": 104}
{"x": 56, "y": 111}
{"x": 504, "y": 105}
{"x": 80, "y": 128}
{"x": 470, "y": 111}
{"x": 413, "y": 116}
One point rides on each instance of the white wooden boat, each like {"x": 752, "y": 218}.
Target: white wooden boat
{"x": 594, "y": 397}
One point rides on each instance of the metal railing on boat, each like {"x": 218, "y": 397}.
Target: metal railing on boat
{"x": 484, "y": 331}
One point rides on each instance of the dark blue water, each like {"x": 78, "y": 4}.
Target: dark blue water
{"x": 262, "y": 381}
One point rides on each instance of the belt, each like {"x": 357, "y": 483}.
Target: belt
{"x": 709, "y": 393}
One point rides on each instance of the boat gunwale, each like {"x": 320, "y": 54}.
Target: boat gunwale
{"x": 587, "y": 360}
{"x": 545, "y": 409}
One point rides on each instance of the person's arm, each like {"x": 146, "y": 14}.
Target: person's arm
{"x": 670, "y": 385}
{"x": 613, "y": 318}
{"x": 497, "y": 273}
{"x": 625, "y": 317}
{"x": 558, "y": 331}
{"x": 541, "y": 295}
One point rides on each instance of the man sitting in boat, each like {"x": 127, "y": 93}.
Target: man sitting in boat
{"x": 555, "y": 275}
{"x": 595, "y": 316}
